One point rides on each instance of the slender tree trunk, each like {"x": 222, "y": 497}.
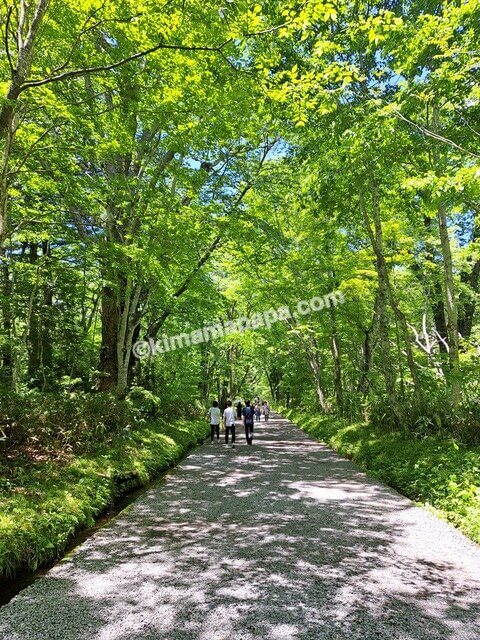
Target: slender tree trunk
{"x": 381, "y": 310}
{"x": 453, "y": 377}
{"x": 433, "y": 293}
{"x": 337, "y": 365}
{"x": 274, "y": 377}
{"x": 33, "y": 336}
{"x": 4, "y": 185}
{"x": 46, "y": 319}
{"x": 135, "y": 364}
{"x": 367, "y": 349}
{"x": 438, "y": 311}
{"x": 127, "y": 323}
{"x": 316, "y": 368}
{"x": 437, "y": 300}
{"x": 205, "y": 373}
{"x": 107, "y": 379}
{"x": 366, "y": 363}
{"x": 451, "y": 306}
{"x": 7, "y": 320}
{"x": 230, "y": 371}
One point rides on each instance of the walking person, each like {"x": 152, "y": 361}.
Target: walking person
{"x": 266, "y": 411}
{"x": 239, "y": 409}
{"x": 248, "y": 416}
{"x": 214, "y": 416}
{"x": 258, "y": 412}
{"x": 229, "y": 423}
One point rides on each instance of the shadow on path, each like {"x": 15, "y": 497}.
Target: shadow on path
{"x": 282, "y": 540}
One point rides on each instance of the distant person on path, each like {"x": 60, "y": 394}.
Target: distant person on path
{"x": 214, "y": 415}
{"x": 239, "y": 410}
{"x": 266, "y": 411}
{"x": 258, "y": 412}
{"x": 229, "y": 423}
{"x": 248, "y": 416}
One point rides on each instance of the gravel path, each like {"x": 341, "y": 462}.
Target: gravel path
{"x": 284, "y": 540}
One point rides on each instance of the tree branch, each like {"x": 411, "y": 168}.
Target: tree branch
{"x": 7, "y": 48}
{"x": 434, "y": 135}
{"x": 86, "y": 30}
{"x": 75, "y": 73}
{"x": 156, "y": 325}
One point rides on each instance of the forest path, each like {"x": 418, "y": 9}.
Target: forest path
{"x": 281, "y": 540}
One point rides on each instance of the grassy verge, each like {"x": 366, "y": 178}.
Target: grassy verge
{"x": 42, "y": 505}
{"x": 432, "y": 470}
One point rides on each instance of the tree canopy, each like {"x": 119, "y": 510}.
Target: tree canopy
{"x": 170, "y": 166}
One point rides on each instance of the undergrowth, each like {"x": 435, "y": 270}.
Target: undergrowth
{"x": 45, "y": 498}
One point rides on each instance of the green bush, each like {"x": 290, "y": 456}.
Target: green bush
{"x": 69, "y": 421}
{"x": 43, "y": 503}
{"x": 434, "y": 414}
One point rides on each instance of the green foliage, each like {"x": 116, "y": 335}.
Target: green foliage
{"x": 45, "y": 502}
{"x": 69, "y": 422}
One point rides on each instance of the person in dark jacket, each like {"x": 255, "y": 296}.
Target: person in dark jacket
{"x": 239, "y": 409}
{"x": 248, "y": 418}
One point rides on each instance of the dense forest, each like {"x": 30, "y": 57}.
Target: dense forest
{"x": 169, "y": 165}
{"x": 303, "y": 173}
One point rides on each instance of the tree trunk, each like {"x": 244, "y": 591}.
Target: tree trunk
{"x": 438, "y": 310}
{"x": 337, "y": 365}
{"x": 134, "y": 365}
{"x": 107, "y": 379}
{"x": 367, "y": 350}
{"x": 33, "y": 326}
{"x": 205, "y": 373}
{"x": 451, "y": 306}
{"x": 316, "y": 368}
{"x": 231, "y": 384}
{"x": 7, "y": 319}
{"x": 381, "y": 309}
{"x": 274, "y": 377}
{"x": 128, "y": 321}
{"x": 366, "y": 363}
{"x": 4, "y": 184}
{"x": 46, "y": 319}
{"x": 453, "y": 377}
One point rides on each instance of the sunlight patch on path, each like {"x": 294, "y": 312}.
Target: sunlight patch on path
{"x": 284, "y": 540}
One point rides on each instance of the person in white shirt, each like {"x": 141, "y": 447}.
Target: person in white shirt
{"x": 214, "y": 415}
{"x": 229, "y": 423}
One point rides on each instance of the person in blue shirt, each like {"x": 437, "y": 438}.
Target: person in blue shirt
{"x": 248, "y": 418}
